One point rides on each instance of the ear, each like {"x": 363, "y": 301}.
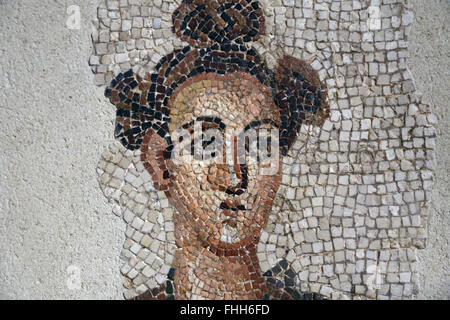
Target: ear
{"x": 153, "y": 150}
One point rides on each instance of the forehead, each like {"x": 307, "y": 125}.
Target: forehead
{"x": 237, "y": 99}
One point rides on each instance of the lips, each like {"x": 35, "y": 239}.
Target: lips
{"x": 231, "y": 211}
{"x": 230, "y": 222}
{"x": 225, "y": 206}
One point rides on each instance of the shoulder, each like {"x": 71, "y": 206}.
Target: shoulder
{"x": 163, "y": 292}
{"x": 282, "y": 284}
{"x": 159, "y": 293}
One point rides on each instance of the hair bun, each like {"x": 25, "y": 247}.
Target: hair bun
{"x": 203, "y": 23}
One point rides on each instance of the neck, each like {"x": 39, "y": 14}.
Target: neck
{"x": 201, "y": 274}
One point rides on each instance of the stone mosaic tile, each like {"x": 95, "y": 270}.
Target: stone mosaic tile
{"x": 345, "y": 209}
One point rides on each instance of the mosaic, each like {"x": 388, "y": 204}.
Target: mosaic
{"x": 264, "y": 149}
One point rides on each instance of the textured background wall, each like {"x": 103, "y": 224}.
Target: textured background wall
{"x": 55, "y": 124}
{"x": 429, "y": 61}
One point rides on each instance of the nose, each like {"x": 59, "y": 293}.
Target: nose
{"x": 237, "y": 173}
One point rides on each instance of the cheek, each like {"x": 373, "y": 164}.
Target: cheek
{"x": 263, "y": 186}
{"x": 187, "y": 182}
{"x": 262, "y": 190}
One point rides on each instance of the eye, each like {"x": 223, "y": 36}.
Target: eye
{"x": 258, "y": 141}
{"x": 264, "y": 143}
{"x": 206, "y": 141}
{"x": 251, "y": 146}
{"x": 204, "y": 147}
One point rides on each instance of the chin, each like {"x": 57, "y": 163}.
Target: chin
{"x": 229, "y": 235}
{"x": 229, "y": 242}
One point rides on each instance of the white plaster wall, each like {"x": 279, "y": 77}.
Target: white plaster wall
{"x": 55, "y": 124}
{"x": 429, "y": 64}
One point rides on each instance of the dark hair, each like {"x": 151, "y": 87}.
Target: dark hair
{"x": 217, "y": 33}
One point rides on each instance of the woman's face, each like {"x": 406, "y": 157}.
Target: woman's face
{"x": 222, "y": 190}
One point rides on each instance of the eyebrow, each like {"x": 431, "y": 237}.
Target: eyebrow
{"x": 222, "y": 125}
{"x": 214, "y": 120}
{"x": 257, "y": 123}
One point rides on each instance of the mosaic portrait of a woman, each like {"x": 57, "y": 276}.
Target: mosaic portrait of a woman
{"x": 235, "y": 179}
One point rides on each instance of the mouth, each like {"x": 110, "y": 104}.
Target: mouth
{"x": 231, "y": 212}
{"x": 225, "y": 206}
{"x": 230, "y": 222}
